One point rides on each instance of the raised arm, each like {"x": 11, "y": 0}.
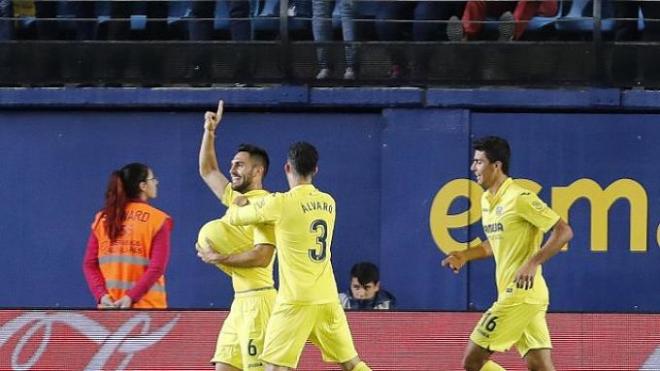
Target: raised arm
{"x": 455, "y": 260}
{"x": 208, "y": 160}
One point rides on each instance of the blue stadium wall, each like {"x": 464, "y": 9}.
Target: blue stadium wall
{"x": 396, "y": 160}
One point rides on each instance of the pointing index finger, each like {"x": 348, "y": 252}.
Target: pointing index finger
{"x": 221, "y": 104}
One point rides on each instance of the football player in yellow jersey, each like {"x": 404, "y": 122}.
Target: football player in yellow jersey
{"x": 250, "y": 266}
{"x": 307, "y": 306}
{"x": 514, "y": 220}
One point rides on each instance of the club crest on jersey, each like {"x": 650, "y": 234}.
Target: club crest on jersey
{"x": 499, "y": 210}
{"x": 538, "y": 205}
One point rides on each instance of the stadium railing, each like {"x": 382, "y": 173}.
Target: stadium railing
{"x": 575, "y": 47}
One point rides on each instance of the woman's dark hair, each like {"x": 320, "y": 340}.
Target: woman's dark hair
{"x": 124, "y": 185}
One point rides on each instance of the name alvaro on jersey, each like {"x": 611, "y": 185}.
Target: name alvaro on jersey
{"x": 320, "y": 206}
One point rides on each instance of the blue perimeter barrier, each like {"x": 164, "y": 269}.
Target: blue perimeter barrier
{"x": 395, "y": 159}
{"x": 301, "y": 96}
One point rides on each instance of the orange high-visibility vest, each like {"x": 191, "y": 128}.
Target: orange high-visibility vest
{"x": 125, "y": 260}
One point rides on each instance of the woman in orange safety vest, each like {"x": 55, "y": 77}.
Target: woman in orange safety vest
{"x": 129, "y": 245}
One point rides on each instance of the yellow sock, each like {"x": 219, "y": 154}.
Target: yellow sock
{"x": 492, "y": 366}
{"x": 361, "y": 367}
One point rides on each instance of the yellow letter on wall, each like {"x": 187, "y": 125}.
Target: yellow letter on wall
{"x": 601, "y": 201}
{"x": 441, "y": 222}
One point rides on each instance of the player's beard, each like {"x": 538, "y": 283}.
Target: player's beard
{"x": 244, "y": 185}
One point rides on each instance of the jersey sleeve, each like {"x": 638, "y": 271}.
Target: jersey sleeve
{"x": 267, "y": 209}
{"x": 228, "y": 195}
{"x": 535, "y": 211}
{"x": 264, "y": 234}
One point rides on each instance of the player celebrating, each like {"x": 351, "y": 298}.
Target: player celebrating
{"x": 250, "y": 264}
{"x": 514, "y": 220}
{"x": 307, "y": 305}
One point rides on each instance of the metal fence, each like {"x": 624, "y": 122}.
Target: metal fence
{"x": 201, "y": 43}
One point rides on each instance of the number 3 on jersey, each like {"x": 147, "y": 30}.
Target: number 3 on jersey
{"x": 320, "y": 228}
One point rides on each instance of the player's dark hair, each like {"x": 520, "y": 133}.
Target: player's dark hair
{"x": 124, "y": 185}
{"x": 495, "y": 149}
{"x": 304, "y": 158}
{"x": 365, "y": 272}
{"x": 257, "y": 153}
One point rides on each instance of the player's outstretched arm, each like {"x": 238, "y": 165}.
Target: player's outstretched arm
{"x": 560, "y": 235}
{"x": 259, "y": 256}
{"x": 455, "y": 260}
{"x": 266, "y": 209}
{"x": 208, "y": 160}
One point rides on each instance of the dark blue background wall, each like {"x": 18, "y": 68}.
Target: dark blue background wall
{"x": 384, "y": 167}
{"x": 56, "y": 164}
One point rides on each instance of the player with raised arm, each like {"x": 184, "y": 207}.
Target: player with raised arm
{"x": 514, "y": 220}
{"x": 245, "y": 253}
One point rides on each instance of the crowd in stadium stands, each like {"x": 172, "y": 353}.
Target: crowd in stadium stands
{"x": 241, "y": 20}
{"x": 513, "y": 18}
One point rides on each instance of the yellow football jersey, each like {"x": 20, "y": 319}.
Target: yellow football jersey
{"x": 514, "y": 220}
{"x": 304, "y": 220}
{"x": 228, "y": 238}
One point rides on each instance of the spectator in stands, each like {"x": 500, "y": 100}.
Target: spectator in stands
{"x": 628, "y": 12}
{"x": 87, "y": 29}
{"x": 69, "y": 20}
{"x": 389, "y": 28}
{"x": 240, "y": 28}
{"x": 45, "y": 13}
{"x": 155, "y": 11}
{"x": 513, "y": 18}
{"x": 125, "y": 25}
{"x": 322, "y": 29}
{"x": 129, "y": 245}
{"x": 240, "y": 25}
{"x": 365, "y": 291}
{"x": 6, "y": 25}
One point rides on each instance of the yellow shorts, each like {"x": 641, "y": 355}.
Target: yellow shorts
{"x": 509, "y": 323}
{"x": 292, "y": 325}
{"x": 241, "y": 338}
